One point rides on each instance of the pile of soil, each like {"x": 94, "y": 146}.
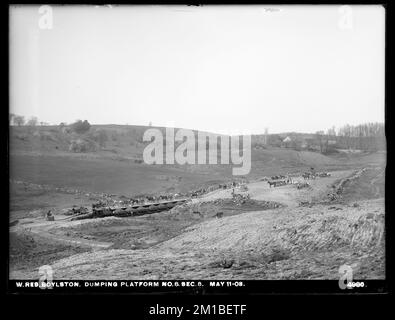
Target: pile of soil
{"x": 339, "y": 187}
{"x": 228, "y": 207}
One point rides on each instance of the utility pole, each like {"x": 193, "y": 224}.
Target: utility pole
{"x": 265, "y": 136}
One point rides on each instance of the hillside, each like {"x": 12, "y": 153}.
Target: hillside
{"x": 42, "y": 155}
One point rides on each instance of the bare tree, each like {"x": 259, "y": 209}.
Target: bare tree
{"x": 266, "y": 136}
{"x": 331, "y": 132}
{"x": 320, "y": 139}
{"x": 367, "y": 136}
{"x": 32, "y": 122}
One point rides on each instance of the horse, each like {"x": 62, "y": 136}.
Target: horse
{"x": 306, "y": 175}
{"x": 277, "y": 183}
{"x": 324, "y": 174}
{"x": 219, "y": 215}
{"x": 272, "y": 183}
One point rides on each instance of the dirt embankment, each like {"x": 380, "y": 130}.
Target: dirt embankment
{"x": 310, "y": 243}
{"x": 366, "y": 184}
{"x": 29, "y": 251}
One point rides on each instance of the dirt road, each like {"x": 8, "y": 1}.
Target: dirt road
{"x": 288, "y": 195}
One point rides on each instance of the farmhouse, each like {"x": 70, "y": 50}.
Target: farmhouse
{"x": 286, "y": 142}
{"x": 332, "y": 142}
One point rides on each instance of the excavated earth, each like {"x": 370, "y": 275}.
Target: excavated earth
{"x": 276, "y": 244}
{"x": 257, "y": 239}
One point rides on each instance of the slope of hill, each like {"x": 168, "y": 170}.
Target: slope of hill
{"x": 42, "y": 155}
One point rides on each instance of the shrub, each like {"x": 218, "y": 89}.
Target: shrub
{"x": 80, "y": 145}
{"x": 114, "y": 136}
{"x": 100, "y": 137}
{"x": 80, "y": 126}
{"x": 32, "y": 121}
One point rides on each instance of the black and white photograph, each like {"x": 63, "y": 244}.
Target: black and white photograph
{"x": 196, "y": 147}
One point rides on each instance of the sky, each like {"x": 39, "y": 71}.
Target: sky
{"x": 223, "y": 69}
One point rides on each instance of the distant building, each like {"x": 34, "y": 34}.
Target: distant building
{"x": 287, "y": 142}
{"x": 331, "y": 142}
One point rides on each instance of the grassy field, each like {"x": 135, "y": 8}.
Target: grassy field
{"x": 111, "y": 176}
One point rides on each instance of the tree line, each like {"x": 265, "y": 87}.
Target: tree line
{"x": 367, "y": 137}
{"x": 18, "y": 120}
